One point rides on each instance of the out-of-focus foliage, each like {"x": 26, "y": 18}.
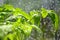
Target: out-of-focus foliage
{"x": 20, "y": 21}
{"x": 52, "y": 15}
{"x": 19, "y": 24}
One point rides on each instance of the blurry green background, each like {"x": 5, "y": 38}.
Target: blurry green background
{"x": 28, "y": 5}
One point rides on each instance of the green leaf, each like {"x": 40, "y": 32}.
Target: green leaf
{"x": 26, "y": 28}
{"x": 54, "y": 18}
{"x": 37, "y": 28}
{"x": 9, "y": 37}
{"x": 21, "y": 12}
{"x": 44, "y": 13}
{"x": 8, "y": 8}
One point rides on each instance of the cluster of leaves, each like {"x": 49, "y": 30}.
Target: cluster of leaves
{"x": 22, "y": 23}
{"x": 52, "y": 15}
